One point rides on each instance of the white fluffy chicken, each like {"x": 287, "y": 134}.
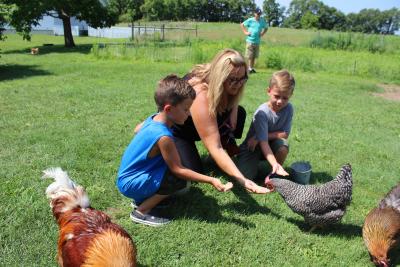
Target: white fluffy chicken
{"x": 318, "y": 204}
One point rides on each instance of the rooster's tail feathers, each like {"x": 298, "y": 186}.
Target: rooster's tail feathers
{"x": 61, "y": 180}
{"x": 63, "y": 192}
{"x": 392, "y": 199}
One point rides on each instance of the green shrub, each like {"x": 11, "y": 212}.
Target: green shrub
{"x": 273, "y": 60}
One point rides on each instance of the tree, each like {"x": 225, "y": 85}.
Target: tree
{"x": 274, "y": 13}
{"x": 308, "y": 14}
{"x": 127, "y": 10}
{"x": 375, "y": 21}
{"x": 201, "y": 10}
{"x": 4, "y": 18}
{"x": 390, "y": 21}
{"x": 28, "y": 13}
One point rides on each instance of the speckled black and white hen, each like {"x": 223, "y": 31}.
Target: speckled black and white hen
{"x": 319, "y": 204}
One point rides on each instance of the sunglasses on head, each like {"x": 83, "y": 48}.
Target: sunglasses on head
{"x": 233, "y": 80}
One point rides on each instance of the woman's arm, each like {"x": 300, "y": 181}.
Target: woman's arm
{"x": 207, "y": 128}
{"x": 138, "y": 127}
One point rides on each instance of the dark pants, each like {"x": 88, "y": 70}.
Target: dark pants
{"x": 171, "y": 184}
{"x": 186, "y": 146}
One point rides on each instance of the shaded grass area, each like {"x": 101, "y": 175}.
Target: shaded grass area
{"x": 79, "y": 113}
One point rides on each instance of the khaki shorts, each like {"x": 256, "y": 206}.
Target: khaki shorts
{"x": 252, "y": 50}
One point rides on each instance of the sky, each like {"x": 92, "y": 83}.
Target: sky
{"x": 348, "y": 6}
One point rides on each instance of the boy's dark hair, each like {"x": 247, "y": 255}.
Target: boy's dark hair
{"x": 173, "y": 90}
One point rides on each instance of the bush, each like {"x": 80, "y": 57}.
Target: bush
{"x": 273, "y": 60}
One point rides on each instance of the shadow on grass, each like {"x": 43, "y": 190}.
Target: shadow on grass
{"x": 195, "y": 205}
{"x": 11, "y": 72}
{"x": 50, "y": 48}
{"x": 339, "y": 229}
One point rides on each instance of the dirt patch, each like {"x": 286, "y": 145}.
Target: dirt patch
{"x": 392, "y": 91}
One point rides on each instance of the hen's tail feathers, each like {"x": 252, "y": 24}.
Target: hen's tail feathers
{"x": 63, "y": 192}
{"x": 346, "y": 173}
{"x": 392, "y": 199}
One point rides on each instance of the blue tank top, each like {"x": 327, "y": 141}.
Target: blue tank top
{"x": 139, "y": 177}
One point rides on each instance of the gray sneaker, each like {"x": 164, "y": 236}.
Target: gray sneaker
{"x": 166, "y": 203}
{"x": 148, "y": 219}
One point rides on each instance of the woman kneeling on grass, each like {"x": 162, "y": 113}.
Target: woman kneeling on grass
{"x": 215, "y": 115}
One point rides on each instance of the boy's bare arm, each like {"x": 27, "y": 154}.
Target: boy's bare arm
{"x": 269, "y": 156}
{"x": 171, "y": 157}
{"x": 276, "y": 135}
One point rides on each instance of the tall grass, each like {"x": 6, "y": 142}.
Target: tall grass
{"x": 354, "y": 63}
{"x": 356, "y": 42}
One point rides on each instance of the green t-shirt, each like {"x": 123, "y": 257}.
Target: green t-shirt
{"x": 255, "y": 28}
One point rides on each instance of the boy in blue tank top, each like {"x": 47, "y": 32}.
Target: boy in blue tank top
{"x": 151, "y": 169}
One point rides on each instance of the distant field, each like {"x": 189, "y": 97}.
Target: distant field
{"x": 77, "y": 109}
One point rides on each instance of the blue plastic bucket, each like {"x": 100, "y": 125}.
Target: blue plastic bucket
{"x": 301, "y": 171}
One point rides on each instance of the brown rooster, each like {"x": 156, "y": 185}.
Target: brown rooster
{"x": 87, "y": 236}
{"x": 381, "y": 230}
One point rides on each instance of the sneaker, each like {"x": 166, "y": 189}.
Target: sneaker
{"x": 252, "y": 71}
{"x": 148, "y": 219}
{"x": 162, "y": 205}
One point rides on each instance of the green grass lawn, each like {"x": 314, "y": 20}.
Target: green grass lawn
{"x": 67, "y": 108}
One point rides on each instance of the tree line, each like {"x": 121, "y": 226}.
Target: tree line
{"x": 301, "y": 14}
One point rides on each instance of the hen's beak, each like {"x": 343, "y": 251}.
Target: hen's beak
{"x": 268, "y": 184}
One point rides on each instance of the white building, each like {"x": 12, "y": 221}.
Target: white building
{"x": 54, "y": 26}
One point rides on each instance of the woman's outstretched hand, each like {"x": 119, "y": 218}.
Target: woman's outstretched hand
{"x": 252, "y": 187}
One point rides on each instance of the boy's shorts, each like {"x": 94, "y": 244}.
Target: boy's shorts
{"x": 171, "y": 184}
{"x": 248, "y": 160}
{"x": 252, "y": 50}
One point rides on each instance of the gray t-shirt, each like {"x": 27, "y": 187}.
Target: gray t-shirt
{"x": 266, "y": 121}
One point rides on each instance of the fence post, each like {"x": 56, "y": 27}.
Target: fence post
{"x": 133, "y": 30}
{"x": 162, "y": 31}
{"x": 196, "y": 30}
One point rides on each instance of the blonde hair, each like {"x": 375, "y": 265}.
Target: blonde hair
{"x": 214, "y": 74}
{"x": 283, "y": 80}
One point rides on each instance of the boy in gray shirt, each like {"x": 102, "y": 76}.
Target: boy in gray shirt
{"x": 269, "y": 129}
